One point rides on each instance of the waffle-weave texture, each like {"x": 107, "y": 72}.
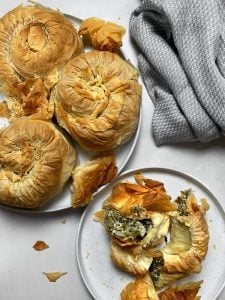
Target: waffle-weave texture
{"x": 182, "y": 62}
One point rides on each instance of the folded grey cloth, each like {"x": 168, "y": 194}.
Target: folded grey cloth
{"x": 182, "y": 63}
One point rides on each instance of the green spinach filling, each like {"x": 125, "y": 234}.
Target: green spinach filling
{"x": 155, "y": 268}
{"x": 182, "y": 202}
{"x": 125, "y": 228}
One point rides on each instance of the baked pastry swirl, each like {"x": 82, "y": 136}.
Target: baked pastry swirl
{"x": 97, "y": 100}
{"x": 35, "y": 42}
{"x": 35, "y": 162}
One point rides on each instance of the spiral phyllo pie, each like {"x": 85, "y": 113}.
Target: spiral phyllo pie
{"x": 97, "y": 100}
{"x": 35, "y": 162}
{"x": 35, "y": 43}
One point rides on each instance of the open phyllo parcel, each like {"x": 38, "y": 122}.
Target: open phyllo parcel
{"x": 155, "y": 239}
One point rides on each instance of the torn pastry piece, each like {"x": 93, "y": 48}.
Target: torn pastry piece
{"x": 88, "y": 177}
{"x": 97, "y": 100}
{"x": 188, "y": 291}
{"x": 158, "y": 275}
{"x": 128, "y": 214}
{"x": 35, "y": 43}
{"x": 143, "y": 196}
{"x": 189, "y": 236}
{"x": 104, "y": 35}
{"x": 141, "y": 289}
{"x": 188, "y": 245}
{"x": 36, "y": 160}
{"x": 30, "y": 97}
{"x": 132, "y": 259}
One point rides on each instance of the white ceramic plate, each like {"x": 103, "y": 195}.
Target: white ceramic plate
{"x": 102, "y": 278}
{"x": 123, "y": 153}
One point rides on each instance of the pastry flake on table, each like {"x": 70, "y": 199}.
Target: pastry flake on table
{"x": 40, "y": 246}
{"x": 54, "y": 276}
{"x": 104, "y": 35}
{"x": 88, "y": 177}
{"x": 97, "y": 100}
{"x": 37, "y": 41}
{"x": 36, "y": 162}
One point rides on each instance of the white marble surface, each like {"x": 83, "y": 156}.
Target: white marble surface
{"x": 20, "y": 266}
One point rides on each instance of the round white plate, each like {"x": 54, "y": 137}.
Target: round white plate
{"x": 102, "y": 278}
{"x": 123, "y": 153}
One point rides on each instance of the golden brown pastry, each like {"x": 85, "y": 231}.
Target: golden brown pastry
{"x": 141, "y": 289}
{"x": 88, "y": 177}
{"x": 35, "y": 43}
{"x": 35, "y": 162}
{"x": 188, "y": 291}
{"x": 143, "y": 196}
{"x": 189, "y": 237}
{"x": 97, "y": 100}
{"x": 134, "y": 260}
{"x": 188, "y": 243}
{"x": 104, "y": 35}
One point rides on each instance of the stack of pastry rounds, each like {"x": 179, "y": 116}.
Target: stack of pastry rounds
{"x": 36, "y": 161}
{"x": 97, "y": 100}
{"x": 35, "y": 43}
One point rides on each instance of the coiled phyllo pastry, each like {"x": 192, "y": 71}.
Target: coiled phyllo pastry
{"x": 35, "y": 43}
{"x": 97, "y": 100}
{"x": 35, "y": 162}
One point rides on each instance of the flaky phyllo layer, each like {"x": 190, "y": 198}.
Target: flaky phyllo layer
{"x": 154, "y": 238}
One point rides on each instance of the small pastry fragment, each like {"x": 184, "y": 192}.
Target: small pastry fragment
{"x": 141, "y": 289}
{"x": 36, "y": 160}
{"x": 97, "y": 100}
{"x": 88, "y": 177}
{"x": 188, "y": 291}
{"x": 35, "y": 43}
{"x": 54, "y": 276}
{"x": 40, "y": 246}
{"x": 104, "y": 35}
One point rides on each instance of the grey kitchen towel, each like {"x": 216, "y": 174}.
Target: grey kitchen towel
{"x": 182, "y": 63}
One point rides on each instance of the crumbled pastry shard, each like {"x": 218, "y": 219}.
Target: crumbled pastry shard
{"x": 40, "y": 246}
{"x": 28, "y": 98}
{"x": 4, "y": 111}
{"x": 35, "y": 44}
{"x": 36, "y": 160}
{"x": 188, "y": 291}
{"x": 88, "y": 177}
{"x": 127, "y": 197}
{"x": 97, "y": 100}
{"x": 141, "y": 289}
{"x": 54, "y": 276}
{"x": 104, "y": 35}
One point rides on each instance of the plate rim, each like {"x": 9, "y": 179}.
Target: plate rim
{"x": 133, "y": 139}
{"x": 178, "y": 172}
